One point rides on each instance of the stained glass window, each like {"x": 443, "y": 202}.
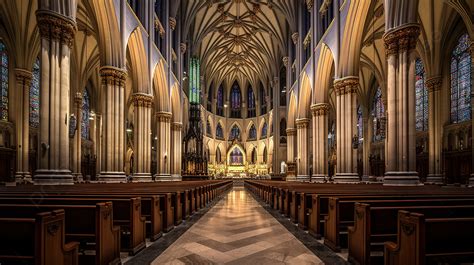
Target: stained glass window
{"x": 254, "y": 155}
{"x": 208, "y": 128}
{"x": 378, "y": 112}
{"x": 234, "y": 133}
{"x": 236, "y": 157}
{"x": 3, "y": 82}
{"x": 220, "y": 101}
{"x": 235, "y": 100}
{"x": 421, "y": 97}
{"x": 283, "y": 131}
{"x": 461, "y": 81}
{"x": 251, "y": 102}
{"x": 34, "y": 95}
{"x": 360, "y": 125}
{"x": 264, "y": 131}
{"x": 219, "y": 131}
{"x": 263, "y": 100}
{"x": 209, "y": 98}
{"x": 253, "y": 132}
{"x": 86, "y": 110}
{"x": 194, "y": 81}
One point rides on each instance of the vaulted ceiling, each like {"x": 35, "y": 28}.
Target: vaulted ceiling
{"x": 238, "y": 39}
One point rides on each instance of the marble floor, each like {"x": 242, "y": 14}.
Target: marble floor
{"x": 237, "y": 230}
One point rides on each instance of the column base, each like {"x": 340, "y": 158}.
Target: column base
{"x": 53, "y": 177}
{"x": 141, "y": 177}
{"x": 302, "y": 178}
{"x": 78, "y": 177}
{"x": 163, "y": 177}
{"x": 176, "y": 177}
{"x": 23, "y": 177}
{"x": 319, "y": 178}
{"x": 399, "y": 178}
{"x": 290, "y": 178}
{"x": 434, "y": 179}
{"x": 112, "y": 177}
{"x": 471, "y": 181}
{"x": 346, "y": 178}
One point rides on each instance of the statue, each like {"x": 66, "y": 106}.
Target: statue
{"x": 283, "y": 167}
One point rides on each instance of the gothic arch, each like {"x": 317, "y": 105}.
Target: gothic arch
{"x": 324, "y": 75}
{"x": 304, "y": 101}
{"x": 292, "y": 110}
{"x": 176, "y": 103}
{"x": 160, "y": 87}
{"x": 139, "y": 65}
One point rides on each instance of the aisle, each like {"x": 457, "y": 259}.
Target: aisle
{"x": 237, "y": 230}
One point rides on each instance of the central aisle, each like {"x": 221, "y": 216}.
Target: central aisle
{"x": 237, "y": 230}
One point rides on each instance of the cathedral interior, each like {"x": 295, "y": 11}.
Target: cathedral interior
{"x": 312, "y": 92}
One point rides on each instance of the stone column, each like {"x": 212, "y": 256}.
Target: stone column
{"x": 302, "y": 147}
{"x": 320, "y": 141}
{"x": 98, "y": 143}
{"x": 77, "y": 141}
{"x": 113, "y": 124}
{"x": 400, "y": 44}
{"x": 142, "y": 136}
{"x": 57, "y": 35}
{"x": 435, "y": 130}
{"x": 163, "y": 123}
{"x": 367, "y": 133}
{"x": 290, "y": 136}
{"x": 346, "y": 128}
{"x": 23, "y": 84}
{"x": 176, "y": 128}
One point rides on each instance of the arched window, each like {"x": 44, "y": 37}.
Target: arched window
{"x": 236, "y": 157}
{"x": 220, "y": 101}
{"x": 235, "y": 100}
{"x": 254, "y": 156}
{"x": 218, "y": 155}
{"x": 219, "y": 131}
{"x": 461, "y": 81}
{"x": 234, "y": 133}
{"x": 421, "y": 97}
{"x": 209, "y": 98}
{"x": 283, "y": 86}
{"x": 251, "y": 103}
{"x": 34, "y": 95}
{"x": 283, "y": 131}
{"x": 3, "y": 82}
{"x": 208, "y": 128}
{"x": 263, "y": 133}
{"x": 86, "y": 110}
{"x": 378, "y": 112}
{"x": 253, "y": 132}
{"x": 265, "y": 158}
{"x": 263, "y": 100}
{"x": 360, "y": 125}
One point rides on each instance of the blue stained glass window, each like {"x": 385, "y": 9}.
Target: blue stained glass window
{"x": 461, "y": 81}
{"x": 264, "y": 131}
{"x": 220, "y": 101}
{"x": 85, "y": 125}
{"x": 219, "y": 131}
{"x": 360, "y": 125}
{"x": 236, "y": 157}
{"x": 35, "y": 95}
{"x": 378, "y": 112}
{"x": 235, "y": 100}
{"x": 253, "y": 132}
{"x": 251, "y": 102}
{"x": 208, "y": 128}
{"x": 3, "y": 82}
{"x": 263, "y": 100}
{"x": 234, "y": 133}
{"x": 421, "y": 97}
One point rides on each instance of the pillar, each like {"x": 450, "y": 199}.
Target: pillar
{"x": 142, "y": 136}
{"x": 290, "y": 149}
{"x": 400, "y": 44}
{"x": 113, "y": 125}
{"x": 77, "y": 141}
{"x": 57, "y": 35}
{"x": 367, "y": 130}
{"x": 320, "y": 112}
{"x": 23, "y": 84}
{"x": 435, "y": 130}
{"x": 346, "y": 128}
{"x": 302, "y": 147}
{"x": 163, "y": 123}
{"x": 176, "y": 129}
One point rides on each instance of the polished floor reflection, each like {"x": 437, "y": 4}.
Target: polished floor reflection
{"x": 237, "y": 230}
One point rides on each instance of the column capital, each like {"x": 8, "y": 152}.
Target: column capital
{"x": 401, "y": 38}
{"x": 320, "y": 109}
{"x": 163, "y": 116}
{"x": 285, "y": 61}
{"x": 295, "y": 37}
{"x": 309, "y": 5}
{"x": 23, "y": 76}
{"x": 113, "y": 75}
{"x": 176, "y": 126}
{"x": 346, "y": 85}
{"x": 302, "y": 123}
{"x": 172, "y": 21}
{"x": 54, "y": 26}
{"x": 182, "y": 47}
{"x": 290, "y": 131}
{"x": 142, "y": 100}
{"x": 78, "y": 99}
{"x": 434, "y": 83}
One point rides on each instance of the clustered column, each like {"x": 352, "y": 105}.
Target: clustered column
{"x": 142, "y": 136}
{"x": 346, "y": 124}
{"x": 163, "y": 123}
{"x": 400, "y": 44}
{"x": 57, "y": 35}
{"x": 302, "y": 145}
{"x": 368, "y": 134}
{"x": 435, "y": 129}
{"x": 320, "y": 141}
{"x": 176, "y": 128}
{"x": 290, "y": 135}
{"x": 113, "y": 124}
{"x": 23, "y": 83}
{"x": 77, "y": 143}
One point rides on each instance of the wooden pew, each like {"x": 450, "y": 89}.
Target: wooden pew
{"x": 417, "y": 244}
{"x": 36, "y": 239}
{"x": 90, "y": 225}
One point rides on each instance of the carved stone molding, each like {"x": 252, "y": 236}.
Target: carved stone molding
{"x": 346, "y": 85}
{"x": 401, "y": 39}
{"x": 290, "y": 131}
{"x": 163, "y": 116}
{"x": 285, "y": 61}
{"x": 320, "y": 109}
{"x": 176, "y": 126}
{"x": 302, "y": 123}
{"x": 23, "y": 76}
{"x": 142, "y": 100}
{"x": 310, "y": 4}
{"x": 54, "y": 26}
{"x": 182, "y": 47}
{"x": 78, "y": 99}
{"x": 434, "y": 83}
{"x": 172, "y": 23}
{"x": 295, "y": 36}
{"x": 113, "y": 75}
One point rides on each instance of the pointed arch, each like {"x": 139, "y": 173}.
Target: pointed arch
{"x": 176, "y": 106}
{"x": 160, "y": 88}
{"x": 324, "y": 75}
{"x": 236, "y": 155}
{"x": 137, "y": 55}
{"x": 292, "y": 110}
